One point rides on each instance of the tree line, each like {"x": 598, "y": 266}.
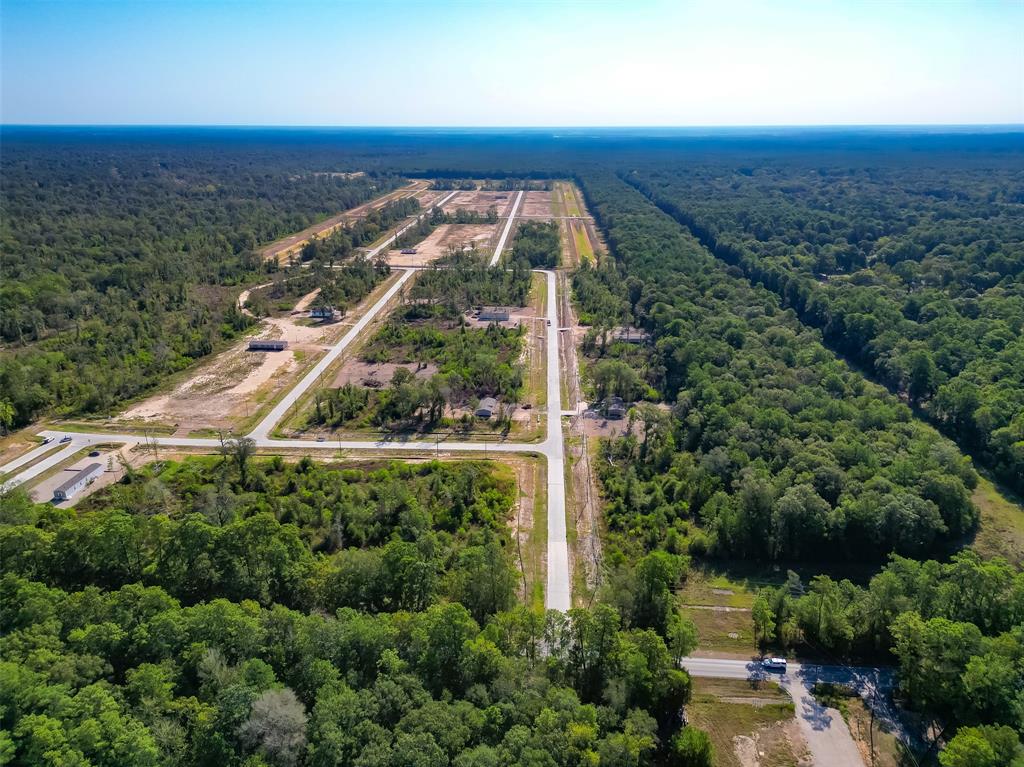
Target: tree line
{"x": 121, "y": 268}
{"x": 916, "y": 274}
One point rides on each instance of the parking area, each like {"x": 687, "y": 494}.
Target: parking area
{"x": 111, "y": 472}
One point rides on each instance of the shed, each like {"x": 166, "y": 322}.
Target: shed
{"x": 486, "y": 407}
{"x": 69, "y": 488}
{"x": 494, "y": 314}
{"x": 267, "y": 345}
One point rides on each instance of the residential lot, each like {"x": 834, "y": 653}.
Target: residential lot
{"x": 480, "y": 202}
{"x": 445, "y": 237}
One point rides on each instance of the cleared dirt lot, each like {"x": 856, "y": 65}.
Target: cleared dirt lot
{"x": 481, "y": 202}
{"x": 231, "y": 388}
{"x": 536, "y": 205}
{"x": 377, "y": 374}
{"x": 444, "y": 237}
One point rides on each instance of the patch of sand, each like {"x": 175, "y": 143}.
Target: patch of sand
{"x": 480, "y": 202}
{"x": 355, "y": 371}
{"x": 441, "y": 239}
{"x": 536, "y": 205}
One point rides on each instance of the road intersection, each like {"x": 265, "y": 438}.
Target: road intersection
{"x": 558, "y": 594}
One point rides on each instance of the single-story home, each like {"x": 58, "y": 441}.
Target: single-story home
{"x": 267, "y": 345}
{"x": 494, "y": 314}
{"x": 486, "y": 407}
{"x": 615, "y": 408}
{"x": 70, "y": 487}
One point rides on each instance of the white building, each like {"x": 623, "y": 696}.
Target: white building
{"x": 70, "y": 488}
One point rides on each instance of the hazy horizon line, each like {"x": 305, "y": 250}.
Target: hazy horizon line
{"x": 638, "y": 126}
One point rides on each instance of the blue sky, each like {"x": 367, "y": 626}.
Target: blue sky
{"x": 271, "y": 62}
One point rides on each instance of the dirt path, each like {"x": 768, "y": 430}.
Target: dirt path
{"x": 286, "y": 246}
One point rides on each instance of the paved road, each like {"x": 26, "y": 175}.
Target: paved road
{"x": 28, "y": 457}
{"x": 508, "y": 228}
{"x": 373, "y": 252}
{"x": 69, "y": 449}
{"x": 274, "y": 416}
{"x": 558, "y": 590}
{"x": 559, "y": 594}
{"x": 826, "y": 733}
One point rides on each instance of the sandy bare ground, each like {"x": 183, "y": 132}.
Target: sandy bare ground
{"x": 481, "y": 202}
{"x": 446, "y": 236}
{"x": 536, "y": 205}
{"x": 229, "y": 386}
{"x": 377, "y": 374}
{"x": 428, "y": 197}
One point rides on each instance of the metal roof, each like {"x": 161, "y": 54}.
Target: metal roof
{"x": 85, "y": 473}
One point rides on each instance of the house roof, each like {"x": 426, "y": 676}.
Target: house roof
{"x": 78, "y": 477}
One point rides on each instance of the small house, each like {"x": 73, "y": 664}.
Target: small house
{"x": 485, "y": 409}
{"x": 615, "y": 408}
{"x": 267, "y": 345}
{"x": 323, "y": 313}
{"x": 494, "y": 314}
{"x": 630, "y": 335}
{"x": 69, "y": 488}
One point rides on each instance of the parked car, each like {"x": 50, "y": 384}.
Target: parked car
{"x": 774, "y": 664}
{"x": 65, "y": 438}
{"x": 93, "y": 453}
{"x": 47, "y": 440}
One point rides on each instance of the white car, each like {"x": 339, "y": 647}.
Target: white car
{"x": 774, "y": 664}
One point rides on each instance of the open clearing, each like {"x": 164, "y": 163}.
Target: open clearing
{"x": 749, "y": 727}
{"x": 444, "y": 237}
{"x": 229, "y": 389}
{"x": 1001, "y": 530}
{"x": 480, "y": 202}
{"x": 377, "y": 375}
{"x": 536, "y": 205}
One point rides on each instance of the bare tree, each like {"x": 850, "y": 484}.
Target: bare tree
{"x": 240, "y": 450}
{"x": 277, "y": 726}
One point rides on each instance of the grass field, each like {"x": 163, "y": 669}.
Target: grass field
{"x": 1001, "y": 532}
{"x": 729, "y": 628}
{"x": 740, "y": 718}
{"x": 584, "y": 249}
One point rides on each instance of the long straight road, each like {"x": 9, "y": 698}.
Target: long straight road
{"x": 274, "y": 416}
{"x": 505, "y": 232}
{"x": 559, "y": 590}
{"x": 559, "y": 595}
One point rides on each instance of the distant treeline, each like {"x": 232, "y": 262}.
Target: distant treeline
{"x": 917, "y": 274}
{"x": 121, "y": 268}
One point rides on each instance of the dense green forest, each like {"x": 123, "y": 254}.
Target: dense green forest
{"x": 232, "y": 610}
{"x": 340, "y": 287}
{"x": 914, "y": 272}
{"x": 539, "y": 243}
{"x": 772, "y": 448}
{"x": 119, "y": 269}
